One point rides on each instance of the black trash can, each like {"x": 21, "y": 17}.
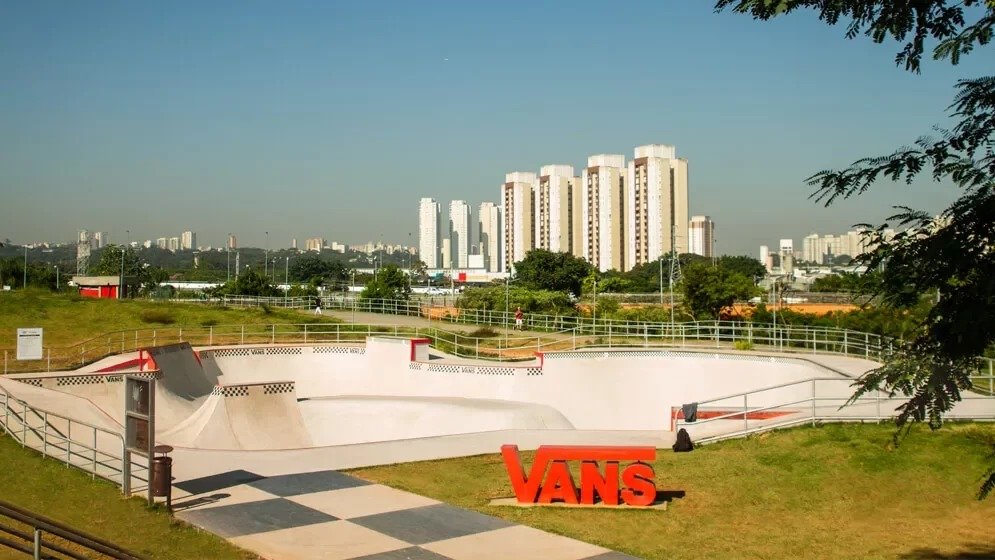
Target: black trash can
{"x": 161, "y": 479}
{"x": 162, "y": 476}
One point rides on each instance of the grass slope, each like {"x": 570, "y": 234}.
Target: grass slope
{"x": 70, "y": 319}
{"x": 49, "y": 488}
{"x": 835, "y": 491}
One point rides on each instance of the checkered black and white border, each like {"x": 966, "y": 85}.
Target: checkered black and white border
{"x": 278, "y": 388}
{"x": 476, "y": 370}
{"x": 30, "y": 381}
{"x": 231, "y": 391}
{"x": 339, "y": 350}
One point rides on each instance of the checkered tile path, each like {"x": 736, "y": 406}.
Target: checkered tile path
{"x": 330, "y": 515}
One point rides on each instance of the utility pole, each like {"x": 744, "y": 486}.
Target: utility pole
{"x": 24, "y": 282}
{"x": 266, "y": 258}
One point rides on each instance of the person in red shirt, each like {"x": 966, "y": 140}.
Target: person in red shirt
{"x": 519, "y": 318}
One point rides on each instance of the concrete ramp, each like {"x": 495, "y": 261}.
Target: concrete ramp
{"x": 182, "y": 373}
{"x": 244, "y": 417}
{"x": 356, "y": 419}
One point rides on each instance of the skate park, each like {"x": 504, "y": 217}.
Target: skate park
{"x": 240, "y": 416}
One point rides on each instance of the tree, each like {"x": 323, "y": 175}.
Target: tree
{"x": 110, "y": 264}
{"x": 952, "y": 254}
{"x": 546, "y": 270}
{"x": 747, "y": 266}
{"x": 249, "y": 283}
{"x": 389, "y": 283}
{"x": 708, "y": 289}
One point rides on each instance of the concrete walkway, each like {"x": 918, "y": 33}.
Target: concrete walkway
{"x": 331, "y": 515}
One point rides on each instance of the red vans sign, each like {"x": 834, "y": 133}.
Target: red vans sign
{"x": 550, "y": 479}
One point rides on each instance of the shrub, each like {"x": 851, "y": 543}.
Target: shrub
{"x": 266, "y": 309}
{"x": 158, "y": 316}
{"x": 744, "y": 345}
{"x": 484, "y": 332}
{"x": 209, "y": 322}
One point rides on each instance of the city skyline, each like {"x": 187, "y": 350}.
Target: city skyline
{"x": 110, "y": 120}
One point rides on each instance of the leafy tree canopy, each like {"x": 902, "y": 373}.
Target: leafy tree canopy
{"x": 708, "y": 290}
{"x": 952, "y": 253}
{"x": 389, "y": 283}
{"x": 248, "y": 283}
{"x": 741, "y": 264}
{"x": 546, "y": 270}
{"x": 110, "y": 264}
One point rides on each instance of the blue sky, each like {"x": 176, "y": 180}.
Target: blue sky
{"x": 332, "y": 118}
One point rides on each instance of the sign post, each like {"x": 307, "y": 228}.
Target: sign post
{"x": 29, "y": 343}
{"x": 139, "y": 426}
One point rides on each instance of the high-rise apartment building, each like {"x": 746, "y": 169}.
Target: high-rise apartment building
{"x": 518, "y": 213}
{"x": 314, "y": 244}
{"x": 557, "y": 209}
{"x": 100, "y": 240}
{"x": 174, "y": 244}
{"x": 701, "y": 236}
{"x": 766, "y": 258}
{"x": 489, "y": 235}
{"x": 162, "y": 243}
{"x": 232, "y": 241}
{"x": 656, "y": 204}
{"x": 459, "y": 232}
{"x": 602, "y": 207}
{"x": 429, "y": 233}
{"x": 188, "y": 240}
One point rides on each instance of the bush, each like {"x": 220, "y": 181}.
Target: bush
{"x": 209, "y": 322}
{"x": 266, "y": 309}
{"x": 157, "y": 316}
{"x": 744, "y": 345}
{"x": 484, "y": 332}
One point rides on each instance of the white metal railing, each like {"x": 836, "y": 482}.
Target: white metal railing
{"x": 90, "y": 448}
{"x": 820, "y": 399}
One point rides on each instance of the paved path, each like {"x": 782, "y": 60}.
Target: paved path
{"x": 331, "y": 515}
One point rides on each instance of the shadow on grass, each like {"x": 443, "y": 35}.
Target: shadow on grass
{"x": 970, "y": 552}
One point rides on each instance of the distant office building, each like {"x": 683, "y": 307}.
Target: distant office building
{"x": 314, "y": 244}
{"x": 174, "y": 244}
{"x": 459, "y": 232}
{"x": 489, "y": 235}
{"x": 518, "y": 214}
{"x": 701, "y": 235}
{"x": 603, "y": 203}
{"x": 337, "y": 247}
{"x": 656, "y": 204}
{"x": 557, "y": 209}
{"x": 786, "y": 247}
{"x": 429, "y": 233}
{"x": 162, "y": 243}
{"x": 188, "y": 241}
{"x": 232, "y": 241}
{"x": 766, "y": 259}
{"x": 293, "y": 243}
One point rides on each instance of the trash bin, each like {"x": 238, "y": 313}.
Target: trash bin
{"x": 162, "y": 476}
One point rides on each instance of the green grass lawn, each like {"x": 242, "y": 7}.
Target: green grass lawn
{"x": 70, "y": 319}
{"x": 835, "y": 491}
{"x": 68, "y": 495}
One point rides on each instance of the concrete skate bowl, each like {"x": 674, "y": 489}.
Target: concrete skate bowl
{"x": 399, "y": 390}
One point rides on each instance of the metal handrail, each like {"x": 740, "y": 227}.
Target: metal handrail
{"x": 42, "y": 525}
{"x": 63, "y": 446}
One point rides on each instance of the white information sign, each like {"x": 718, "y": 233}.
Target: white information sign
{"x": 29, "y": 344}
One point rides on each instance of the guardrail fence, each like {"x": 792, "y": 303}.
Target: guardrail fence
{"x": 92, "y": 449}
{"x": 38, "y": 545}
